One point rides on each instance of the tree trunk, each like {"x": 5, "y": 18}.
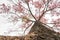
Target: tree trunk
{"x": 43, "y": 33}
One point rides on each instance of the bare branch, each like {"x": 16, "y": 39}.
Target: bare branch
{"x": 54, "y": 23}
{"x": 41, "y": 15}
{"x": 47, "y": 26}
{"x": 27, "y": 27}
{"x": 45, "y": 9}
{"x": 51, "y": 9}
{"x": 30, "y": 10}
{"x": 21, "y": 17}
{"x": 47, "y": 3}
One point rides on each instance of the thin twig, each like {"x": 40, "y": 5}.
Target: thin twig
{"x": 21, "y": 17}
{"x": 47, "y": 26}
{"x": 54, "y": 23}
{"x": 27, "y": 27}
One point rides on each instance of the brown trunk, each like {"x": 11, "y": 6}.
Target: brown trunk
{"x": 43, "y": 33}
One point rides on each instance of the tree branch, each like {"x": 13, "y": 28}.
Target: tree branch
{"x": 21, "y": 17}
{"x": 44, "y": 24}
{"x": 54, "y": 23}
{"x": 45, "y": 9}
{"x": 27, "y": 27}
{"x": 30, "y": 10}
{"x": 41, "y": 15}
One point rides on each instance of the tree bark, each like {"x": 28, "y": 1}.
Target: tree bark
{"x": 43, "y": 33}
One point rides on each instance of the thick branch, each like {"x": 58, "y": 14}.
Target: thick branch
{"x": 41, "y": 16}
{"x": 30, "y": 10}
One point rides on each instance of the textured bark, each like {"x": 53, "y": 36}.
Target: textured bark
{"x": 43, "y": 33}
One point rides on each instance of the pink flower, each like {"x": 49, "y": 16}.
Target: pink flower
{"x": 37, "y": 4}
{"x": 18, "y": 8}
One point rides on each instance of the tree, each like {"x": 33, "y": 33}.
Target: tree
{"x": 40, "y": 29}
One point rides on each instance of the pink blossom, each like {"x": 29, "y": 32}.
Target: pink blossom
{"x": 37, "y": 4}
